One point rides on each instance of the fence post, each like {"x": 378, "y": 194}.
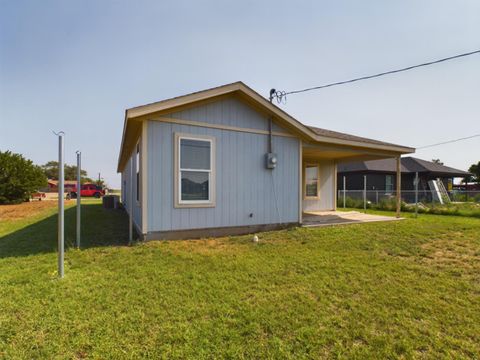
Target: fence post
{"x": 344, "y": 191}
{"x": 376, "y": 197}
{"x": 61, "y": 189}
{"x": 365, "y": 193}
{"x": 79, "y": 195}
{"x": 416, "y": 194}
{"x": 399, "y": 186}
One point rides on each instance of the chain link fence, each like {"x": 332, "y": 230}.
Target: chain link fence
{"x": 355, "y": 198}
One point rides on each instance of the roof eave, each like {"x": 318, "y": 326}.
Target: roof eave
{"x": 122, "y": 142}
{"x": 393, "y": 148}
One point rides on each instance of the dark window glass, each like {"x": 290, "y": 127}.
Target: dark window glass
{"x": 194, "y": 154}
{"x": 311, "y": 181}
{"x": 389, "y": 182}
{"x": 194, "y": 185}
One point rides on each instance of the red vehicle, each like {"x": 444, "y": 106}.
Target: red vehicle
{"x": 88, "y": 190}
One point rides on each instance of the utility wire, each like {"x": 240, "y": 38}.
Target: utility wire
{"x": 280, "y": 95}
{"x": 448, "y": 142}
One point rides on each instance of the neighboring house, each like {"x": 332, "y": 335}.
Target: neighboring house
{"x": 52, "y": 185}
{"x": 471, "y": 186}
{"x": 227, "y": 161}
{"x": 381, "y": 174}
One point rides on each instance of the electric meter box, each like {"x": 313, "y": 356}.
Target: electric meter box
{"x": 271, "y": 160}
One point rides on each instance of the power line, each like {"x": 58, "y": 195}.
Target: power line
{"x": 281, "y": 95}
{"x": 448, "y": 142}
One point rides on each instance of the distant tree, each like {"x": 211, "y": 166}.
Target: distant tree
{"x": 475, "y": 170}
{"x": 51, "y": 171}
{"x": 19, "y": 178}
{"x": 437, "y": 161}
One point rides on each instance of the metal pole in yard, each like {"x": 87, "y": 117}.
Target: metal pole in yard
{"x": 365, "y": 193}
{"x": 61, "y": 189}
{"x": 344, "y": 192}
{"x": 130, "y": 205}
{"x": 399, "y": 187}
{"x": 416, "y": 194}
{"x": 79, "y": 195}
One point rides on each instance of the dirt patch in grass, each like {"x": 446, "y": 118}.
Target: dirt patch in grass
{"x": 25, "y": 210}
{"x": 205, "y": 247}
{"x": 446, "y": 252}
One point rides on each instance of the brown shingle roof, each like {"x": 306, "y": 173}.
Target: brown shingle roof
{"x": 344, "y": 136}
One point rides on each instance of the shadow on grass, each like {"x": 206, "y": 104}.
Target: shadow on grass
{"x": 100, "y": 227}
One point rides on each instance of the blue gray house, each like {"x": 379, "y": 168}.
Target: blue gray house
{"x": 227, "y": 161}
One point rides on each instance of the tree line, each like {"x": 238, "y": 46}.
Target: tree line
{"x": 20, "y": 177}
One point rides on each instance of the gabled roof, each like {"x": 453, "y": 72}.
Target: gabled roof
{"x": 134, "y": 116}
{"x": 409, "y": 165}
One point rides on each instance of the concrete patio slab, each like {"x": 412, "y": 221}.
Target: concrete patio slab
{"x": 329, "y": 218}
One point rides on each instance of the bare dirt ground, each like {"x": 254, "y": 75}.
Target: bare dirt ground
{"x": 25, "y": 210}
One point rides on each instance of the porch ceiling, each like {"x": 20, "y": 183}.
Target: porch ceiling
{"x": 343, "y": 154}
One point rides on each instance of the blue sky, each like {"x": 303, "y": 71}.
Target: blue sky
{"x": 77, "y": 65}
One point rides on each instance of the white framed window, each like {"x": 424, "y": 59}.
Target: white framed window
{"x": 194, "y": 175}
{"x": 311, "y": 181}
{"x": 389, "y": 183}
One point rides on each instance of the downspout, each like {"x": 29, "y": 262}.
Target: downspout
{"x": 272, "y": 158}
{"x": 270, "y": 125}
{"x": 270, "y": 135}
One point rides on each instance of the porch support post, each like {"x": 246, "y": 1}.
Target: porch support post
{"x": 399, "y": 185}
{"x": 335, "y": 185}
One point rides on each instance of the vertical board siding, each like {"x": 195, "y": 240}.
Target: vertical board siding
{"x": 229, "y": 111}
{"x": 327, "y": 192}
{"x": 243, "y": 184}
{"x": 327, "y": 179}
{"x": 137, "y": 211}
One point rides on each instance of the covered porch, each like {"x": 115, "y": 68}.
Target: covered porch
{"x": 319, "y": 179}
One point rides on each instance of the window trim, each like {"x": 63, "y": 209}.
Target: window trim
{"x": 178, "y": 203}
{"x": 305, "y": 197}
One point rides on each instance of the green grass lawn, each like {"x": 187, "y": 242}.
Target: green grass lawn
{"x": 407, "y": 289}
